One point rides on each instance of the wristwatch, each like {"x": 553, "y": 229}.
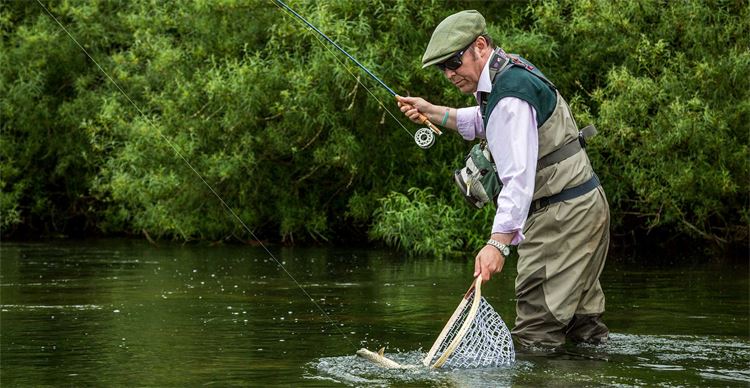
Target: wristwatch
{"x": 504, "y": 249}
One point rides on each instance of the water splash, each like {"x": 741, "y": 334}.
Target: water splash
{"x": 626, "y": 360}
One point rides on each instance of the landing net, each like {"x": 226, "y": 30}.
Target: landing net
{"x": 474, "y": 337}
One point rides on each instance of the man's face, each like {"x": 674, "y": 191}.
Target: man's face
{"x": 466, "y": 76}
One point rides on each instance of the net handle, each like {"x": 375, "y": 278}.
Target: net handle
{"x": 436, "y": 345}
{"x": 466, "y": 324}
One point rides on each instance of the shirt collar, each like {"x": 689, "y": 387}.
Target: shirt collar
{"x": 484, "y": 84}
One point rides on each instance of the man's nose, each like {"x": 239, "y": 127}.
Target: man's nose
{"x": 449, "y": 73}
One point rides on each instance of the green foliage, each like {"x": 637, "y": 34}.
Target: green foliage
{"x": 46, "y": 159}
{"x": 276, "y": 123}
{"x": 668, "y": 85}
{"x": 421, "y": 225}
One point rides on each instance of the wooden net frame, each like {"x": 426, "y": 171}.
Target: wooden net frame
{"x": 474, "y": 336}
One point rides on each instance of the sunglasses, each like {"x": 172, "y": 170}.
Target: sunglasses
{"x": 454, "y": 62}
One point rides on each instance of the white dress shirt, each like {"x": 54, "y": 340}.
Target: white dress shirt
{"x": 511, "y": 134}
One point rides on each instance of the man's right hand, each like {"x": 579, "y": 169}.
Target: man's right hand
{"x": 413, "y": 106}
{"x": 488, "y": 262}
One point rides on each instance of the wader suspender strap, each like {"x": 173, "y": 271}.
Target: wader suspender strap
{"x": 559, "y": 155}
{"x": 567, "y": 150}
{"x": 496, "y": 68}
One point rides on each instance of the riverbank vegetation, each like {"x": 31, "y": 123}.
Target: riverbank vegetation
{"x": 283, "y": 132}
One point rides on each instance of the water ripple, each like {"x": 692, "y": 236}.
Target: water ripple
{"x": 26, "y": 307}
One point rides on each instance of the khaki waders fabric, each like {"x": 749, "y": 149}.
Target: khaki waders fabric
{"x": 558, "y": 290}
{"x": 558, "y": 273}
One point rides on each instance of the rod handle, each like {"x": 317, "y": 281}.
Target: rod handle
{"x": 430, "y": 125}
{"x": 424, "y": 120}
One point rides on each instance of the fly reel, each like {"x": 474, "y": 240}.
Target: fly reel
{"x": 425, "y": 138}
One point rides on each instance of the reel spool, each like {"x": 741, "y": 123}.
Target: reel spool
{"x": 425, "y": 138}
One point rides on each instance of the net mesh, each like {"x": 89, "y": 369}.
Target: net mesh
{"x": 487, "y": 342}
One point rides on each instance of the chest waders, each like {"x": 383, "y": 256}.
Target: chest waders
{"x": 478, "y": 180}
{"x": 557, "y": 288}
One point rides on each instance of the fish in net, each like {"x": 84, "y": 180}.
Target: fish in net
{"x": 475, "y": 336}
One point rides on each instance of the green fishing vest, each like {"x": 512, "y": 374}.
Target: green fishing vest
{"x": 563, "y": 168}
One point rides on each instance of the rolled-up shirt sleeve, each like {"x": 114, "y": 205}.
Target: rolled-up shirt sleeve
{"x": 514, "y": 144}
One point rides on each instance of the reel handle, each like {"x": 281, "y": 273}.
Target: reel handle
{"x": 424, "y": 120}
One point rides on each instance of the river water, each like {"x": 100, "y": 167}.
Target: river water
{"x": 126, "y": 313}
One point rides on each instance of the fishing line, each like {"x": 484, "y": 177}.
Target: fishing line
{"x": 177, "y": 151}
{"x": 343, "y": 64}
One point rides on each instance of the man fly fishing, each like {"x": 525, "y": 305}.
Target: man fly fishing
{"x": 549, "y": 201}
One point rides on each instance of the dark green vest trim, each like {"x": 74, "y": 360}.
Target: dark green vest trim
{"x": 519, "y": 82}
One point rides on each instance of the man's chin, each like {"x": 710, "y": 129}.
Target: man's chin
{"x": 466, "y": 89}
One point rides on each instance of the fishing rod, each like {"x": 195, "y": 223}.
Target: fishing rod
{"x": 424, "y": 137}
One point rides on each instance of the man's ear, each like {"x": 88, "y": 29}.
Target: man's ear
{"x": 480, "y": 42}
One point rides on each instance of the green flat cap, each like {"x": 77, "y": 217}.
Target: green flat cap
{"x": 453, "y": 34}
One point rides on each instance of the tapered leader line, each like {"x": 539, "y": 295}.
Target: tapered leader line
{"x": 177, "y": 151}
{"x": 422, "y": 118}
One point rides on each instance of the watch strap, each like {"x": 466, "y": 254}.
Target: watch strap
{"x": 504, "y": 249}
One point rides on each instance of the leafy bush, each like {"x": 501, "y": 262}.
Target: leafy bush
{"x": 667, "y": 85}
{"x": 421, "y": 225}
{"x": 277, "y": 125}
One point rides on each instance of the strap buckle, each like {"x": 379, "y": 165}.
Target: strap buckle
{"x": 585, "y": 133}
{"x": 539, "y": 204}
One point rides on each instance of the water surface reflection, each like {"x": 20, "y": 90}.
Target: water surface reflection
{"x": 120, "y": 312}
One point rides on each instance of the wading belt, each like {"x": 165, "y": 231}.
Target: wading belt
{"x": 565, "y": 195}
